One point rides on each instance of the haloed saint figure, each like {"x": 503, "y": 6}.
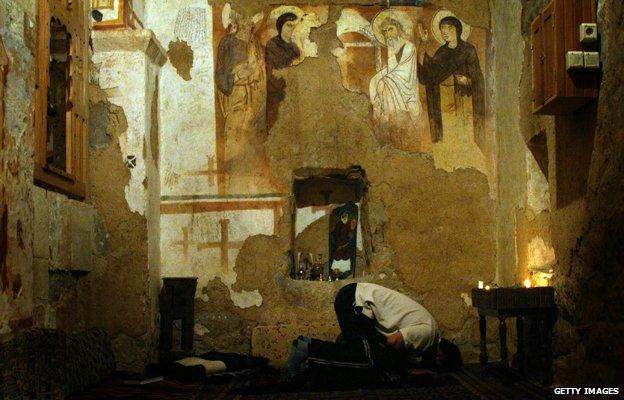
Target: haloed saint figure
{"x": 453, "y": 79}
{"x": 240, "y": 79}
{"x": 280, "y": 53}
{"x": 394, "y": 89}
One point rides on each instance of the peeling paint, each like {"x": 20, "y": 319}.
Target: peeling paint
{"x": 246, "y": 299}
{"x": 130, "y": 82}
{"x": 105, "y": 121}
{"x": 181, "y": 57}
{"x": 242, "y": 265}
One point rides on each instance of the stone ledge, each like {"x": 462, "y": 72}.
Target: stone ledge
{"x": 142, "y": 40}
{"x": 274, "y": 341}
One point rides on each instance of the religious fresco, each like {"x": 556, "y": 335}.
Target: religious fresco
{"x": 205, "y": 216}
{"x": 216, "y": 184}
{"x": 423, "y": 70}
{"x": 248, "y": 52}
{"x": 343, "y": 224}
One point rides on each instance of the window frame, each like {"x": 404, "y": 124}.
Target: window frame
{"x": 72, "y": 181}
{"x": 4, "y": 69}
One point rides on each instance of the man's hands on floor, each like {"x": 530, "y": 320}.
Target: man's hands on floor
{"x": 396, "y": 341}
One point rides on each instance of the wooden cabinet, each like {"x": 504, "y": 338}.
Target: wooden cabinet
{"x": 554, "y": 32}
{"x": 61, "y": 102}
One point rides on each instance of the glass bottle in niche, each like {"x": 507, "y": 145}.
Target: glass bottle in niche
{"x": 335, "y": 275}
{"x": 304, "y": 266}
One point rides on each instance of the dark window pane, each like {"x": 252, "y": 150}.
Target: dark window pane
{"x": 58, "y": 108}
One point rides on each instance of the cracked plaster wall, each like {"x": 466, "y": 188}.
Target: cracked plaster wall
{"x": 126, "y": 92}
{"x": 432, "y": 232}
{"x": 412, "y": 211}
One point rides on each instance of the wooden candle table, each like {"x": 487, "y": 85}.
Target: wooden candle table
{"x": 519, "y": 303}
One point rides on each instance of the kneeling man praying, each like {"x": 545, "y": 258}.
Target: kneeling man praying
{"x": 380, "y": 328}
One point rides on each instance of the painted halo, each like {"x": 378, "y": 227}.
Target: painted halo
{"x": 226, "y": 15}
{"x": 435, "y": 26}
{"x": 281, "y": 10}
{"x": 400, "y": 16}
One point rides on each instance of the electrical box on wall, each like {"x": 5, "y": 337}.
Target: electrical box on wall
{"x": 565, "y": 56}
{"x": 588, "y": 33}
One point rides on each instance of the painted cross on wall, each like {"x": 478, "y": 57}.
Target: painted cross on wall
{"x": 224, "y": 244}
{"x": 210, "y": 172}
{"x": 207, "y": 235}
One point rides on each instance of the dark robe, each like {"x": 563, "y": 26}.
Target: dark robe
{"x": 446, "y": 62}
{"x": 278, "y": 54}
{"x": 342, "y": 236}
{"x": 232, "y": 51}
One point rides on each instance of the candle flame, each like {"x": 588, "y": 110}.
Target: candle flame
{"x": 527, "y": 283}
{"x": 480, "y": 284}
{"x": 487, "y": 287}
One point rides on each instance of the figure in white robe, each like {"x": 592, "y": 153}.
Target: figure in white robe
{"x": 397, "y": 110}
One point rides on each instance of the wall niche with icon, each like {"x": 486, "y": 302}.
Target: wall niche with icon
{"x": 328, "y": 229}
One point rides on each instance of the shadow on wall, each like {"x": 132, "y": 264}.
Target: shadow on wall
{"x": 574, "y": 145}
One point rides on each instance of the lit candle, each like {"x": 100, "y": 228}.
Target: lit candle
{"x": 480, "y": 284}
{"x": 527, "y": 283}
{"x": 487, "y": 287}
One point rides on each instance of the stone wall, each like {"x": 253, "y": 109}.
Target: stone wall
{"x": 589, "y": 286}
{"x": 53, "y": 242}
{"x": 74, "y": 264}
{"x": 581, "y": 216}
{"x": 19, "y": 283}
